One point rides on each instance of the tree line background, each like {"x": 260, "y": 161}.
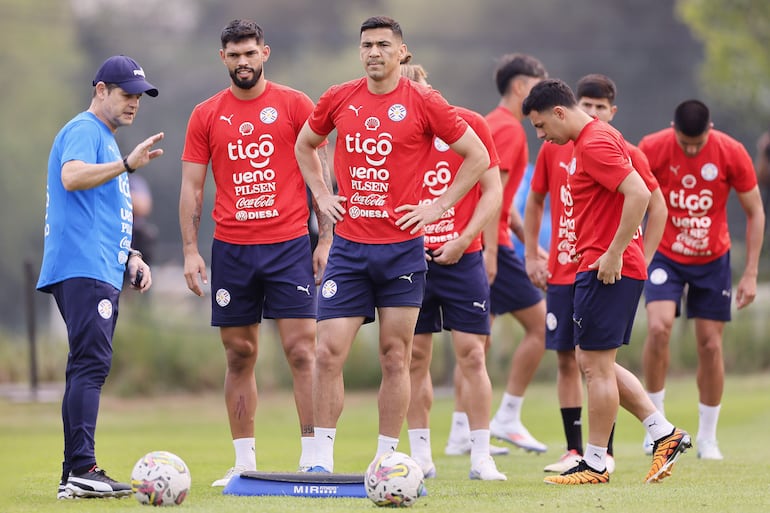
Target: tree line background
{"x": 659, "y": 53}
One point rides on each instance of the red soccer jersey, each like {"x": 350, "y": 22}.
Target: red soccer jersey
{"x": 260, "y": 193}
{"x": 511, "y": 143}
{"x": 440, "y": 174}
{"x": 550, "y": 177}
{"x": 696, "y": 191}
{"x": 383, "y": 141}
{"x": 601, "y": 162}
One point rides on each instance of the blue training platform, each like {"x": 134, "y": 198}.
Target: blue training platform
{"x": 297, "y": 484}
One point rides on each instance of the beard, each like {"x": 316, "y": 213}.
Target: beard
{"x": 245, "y": 84}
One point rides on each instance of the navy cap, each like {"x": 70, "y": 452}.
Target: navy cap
{"x": 126, "y": 73}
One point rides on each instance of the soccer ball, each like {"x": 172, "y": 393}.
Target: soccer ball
{"x": 160, "y": 478}
{"x": 394, "y": 479}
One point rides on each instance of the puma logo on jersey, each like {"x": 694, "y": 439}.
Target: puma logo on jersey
{"x": 407, "y": 277}
{"x": 674, "y": 169}
{"x": 482, "y": 305}
{"x": 306, "y": 289}
{"x": 565, "y": 165}
{"x": 229, "y": 119}
{"x": 355, "y": 109}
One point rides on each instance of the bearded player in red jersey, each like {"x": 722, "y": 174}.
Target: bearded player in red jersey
{"x": 261, "y": 256}
{"x": 608, "y": 201}
{"x": 385, "y": 127}
{"x": 697, "y": 166}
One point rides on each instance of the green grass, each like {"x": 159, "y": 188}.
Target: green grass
{"x": 195, "y": 428}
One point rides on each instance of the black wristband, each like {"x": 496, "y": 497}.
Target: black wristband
{"x": 125, "y": 165}
{"x": 135, "y": 252}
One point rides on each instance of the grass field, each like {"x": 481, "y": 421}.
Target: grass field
{"x": 195, "y": 428}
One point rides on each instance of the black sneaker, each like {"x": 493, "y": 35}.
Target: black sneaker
{"x": 96, "y": 483}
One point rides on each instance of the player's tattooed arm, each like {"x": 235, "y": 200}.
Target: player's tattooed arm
{"x": 325, "y": 223}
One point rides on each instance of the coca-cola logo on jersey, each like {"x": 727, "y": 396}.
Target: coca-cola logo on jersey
{"x": 266, "y": 200}
{"x": 441, "y": 226}
{"x": 437, "y": 180}
{"x": 368, "y": 200}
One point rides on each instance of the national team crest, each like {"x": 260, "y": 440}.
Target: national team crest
{"x": 268, "y": 115}
{"x": 709, "y": 172}
{"x": 222, "y": 297}
{"x": 440, "y": 145}
{"x": 104, "y": 308}
{"x": 329, "y": 289}
{"x": 397, "y": 112}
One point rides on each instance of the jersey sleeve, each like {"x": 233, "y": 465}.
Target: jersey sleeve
{"x": 740, "y": 173}
{"x": 444, "y": 120}
{"x": 606, "y": 162}
{"x": 539, "y": 182}
{"x": 321, "y": 119}
{"x": 196, "y": 145}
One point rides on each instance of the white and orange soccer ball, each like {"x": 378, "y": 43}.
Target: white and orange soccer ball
{"x": 160, "y": 478}
{"x": 394, "y": 479}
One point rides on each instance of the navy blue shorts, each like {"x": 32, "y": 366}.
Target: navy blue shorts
{"x": 456, "y": 297}
{"x": 512, "y": 289}
{"x": 604, "y": 314}
{"x": 559, "y": 333}
{"x": 709, "y": 286}
{"x": 360, "y": 278}
{"x": 255, "y": 280}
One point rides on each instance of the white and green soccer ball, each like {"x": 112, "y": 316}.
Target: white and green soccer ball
{"x": 160, "y": 478}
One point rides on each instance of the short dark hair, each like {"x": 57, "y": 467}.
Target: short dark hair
{"x": 514, "y": 64}
{"x": 692, "y": 118}
{"x": 382, "y": 22}
{"x": 547, "y": 95}
{"x": 239, "y": 30}
{"x": 597, "y": 86}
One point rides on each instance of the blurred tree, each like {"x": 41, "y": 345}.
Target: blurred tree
{"x": 736, "y": 71}
{"x": 42, "y": 89}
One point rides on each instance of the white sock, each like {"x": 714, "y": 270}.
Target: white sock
{"x": 245, "y": 454}
{"x": 708, "y": 416}
{"x": 324, "y": 447}
{"x": 385, "y": 444}
{"x": 460, "y": 430}
{"x": 596, "y": 457}
{"x": 419, "y": 443}
{"x": 658, "y": 426}
{"x": 657, "y": 399}
{"x": 479, "y": 445}
{"x": 510, "y": 409}
{"x": 307, "y": 455}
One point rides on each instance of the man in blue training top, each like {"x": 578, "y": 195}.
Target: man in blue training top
{"x": 87, "y": 251}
